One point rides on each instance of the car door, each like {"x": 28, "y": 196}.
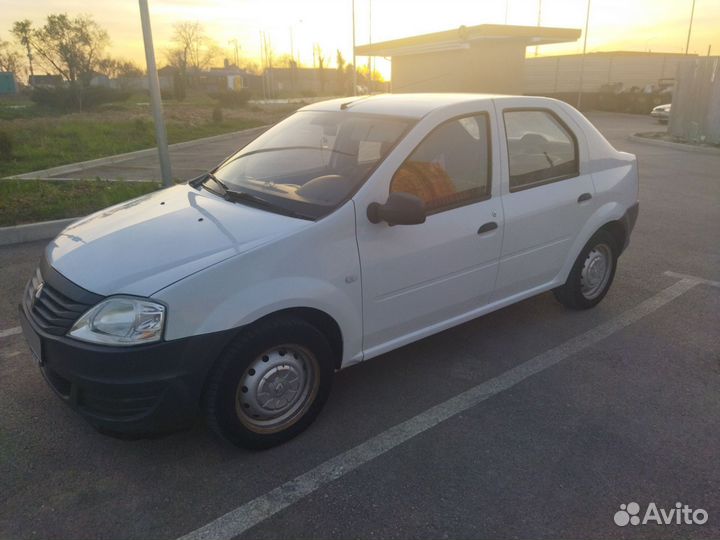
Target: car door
{"x": 417, "y": 278}
{"x": 547, "y": 195}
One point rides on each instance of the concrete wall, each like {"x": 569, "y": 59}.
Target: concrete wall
{"x": 696, "y": 104}
{"x": 554, "y": 74}
{"x": 493, "y": 67}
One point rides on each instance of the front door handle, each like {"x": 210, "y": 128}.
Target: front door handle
{"x": 584, "y": 197}
{"x": 490, "y": 226}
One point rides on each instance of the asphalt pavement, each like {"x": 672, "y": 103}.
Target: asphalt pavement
{"x": 188, "y": 160}
{"x": 531, "y": 422}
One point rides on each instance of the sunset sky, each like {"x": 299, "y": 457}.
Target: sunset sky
{"x": 638, "y": 25}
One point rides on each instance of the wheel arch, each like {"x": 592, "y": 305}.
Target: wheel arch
{"x": 608, "y": 217}
{"x": 617, "y": 229}
{"x": 320, "y": 319}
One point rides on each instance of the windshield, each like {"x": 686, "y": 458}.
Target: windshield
{"x": 312, "y": 161}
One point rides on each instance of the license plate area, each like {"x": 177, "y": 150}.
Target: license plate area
{"x": 33, "y": 340}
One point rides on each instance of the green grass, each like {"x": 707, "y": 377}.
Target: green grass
{"x": 28, "y": 201}
{"x": 10, "y": 110}
{"x": 49, "y": 142}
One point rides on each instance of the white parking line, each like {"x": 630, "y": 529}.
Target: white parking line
{"x": 248, "y": 515}
{"x": 698, "y": 279}
{"x": 10, "y": 332}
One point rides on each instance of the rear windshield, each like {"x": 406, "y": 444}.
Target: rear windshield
{"x": 313, "y": 161}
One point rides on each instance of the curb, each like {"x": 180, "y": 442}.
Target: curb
{"x": 46, "y": 174}
{"x": 43, "y": 230}
{"x": 676, "y": 146}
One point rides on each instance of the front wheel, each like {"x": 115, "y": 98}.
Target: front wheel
{"x": 270, "y": 384}
{"x": 591, "y": 275}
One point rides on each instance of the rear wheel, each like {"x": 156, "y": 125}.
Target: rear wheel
{"x": 270, "y": 384}
{"x": 591, "y": 275}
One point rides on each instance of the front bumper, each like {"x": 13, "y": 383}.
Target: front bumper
{"x": 139, "y": 390}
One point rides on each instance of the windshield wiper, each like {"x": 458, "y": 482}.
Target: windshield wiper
{"x": 223, "y": 185}
{"x": 243, "y": 196}
{"x": 200, "y": 181}
{"x": 254, "y": 200}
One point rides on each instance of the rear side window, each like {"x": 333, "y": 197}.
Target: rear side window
{"x": 541, "y": 148}
{"x": 451, "y": 167}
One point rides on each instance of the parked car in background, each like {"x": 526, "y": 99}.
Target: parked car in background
{"x": 662, "y": 113}
{"x": 352, "y": 228}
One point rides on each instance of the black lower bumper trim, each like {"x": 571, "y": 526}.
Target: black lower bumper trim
{"x": 144, "y": 389}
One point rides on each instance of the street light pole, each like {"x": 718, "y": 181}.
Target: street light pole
{"x": 354, "y": 93}
{"x": 692, "y": 14}
{"x": 370, "y": 58}
{"x": 538, "y": 21}
{"x": 582, "y": 58}
{"x": 292, "y": 44}
{"x": 236, "y": 58}
{"x": 154, "y": 87}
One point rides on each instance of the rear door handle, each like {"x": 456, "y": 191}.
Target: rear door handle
{"x": 584, "y": 197}
{"x": 490, "y": 226}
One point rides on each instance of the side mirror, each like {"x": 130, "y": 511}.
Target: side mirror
{"x": 399, "y": 209}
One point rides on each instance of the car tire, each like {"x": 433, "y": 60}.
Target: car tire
{"x": 592, "y": 274}
{"x": 269, "y": 384}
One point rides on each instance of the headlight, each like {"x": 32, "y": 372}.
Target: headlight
{"x": 121, "y": 320}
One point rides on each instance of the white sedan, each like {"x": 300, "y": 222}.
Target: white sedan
{"x": 352, "y": 228}
{"x": 662, "y": 113}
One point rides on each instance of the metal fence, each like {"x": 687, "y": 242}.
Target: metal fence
{"x": 556, "y": 74}
{"x": 695, "y": 113}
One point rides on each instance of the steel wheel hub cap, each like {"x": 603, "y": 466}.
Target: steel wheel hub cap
{"x": 279, "y": 387}
{"x": 596, "y": 271}
{"x": 276, "y": 388}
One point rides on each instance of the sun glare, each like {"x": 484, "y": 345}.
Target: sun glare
{"x": 299, "y": 27}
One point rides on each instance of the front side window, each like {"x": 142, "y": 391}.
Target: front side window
{"x": 451, "y": 167}
{"x": 312, "y": 161}
{"x": 541, "y": 148}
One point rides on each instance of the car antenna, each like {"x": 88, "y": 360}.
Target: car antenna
{"x": 346, "y": 105}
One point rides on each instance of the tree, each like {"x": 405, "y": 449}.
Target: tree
{"x": 340, "y": 77}
{"x": 22, "y": 30}
{"x": 321, "y": 61}
{"x": 369, "y": 79}
{"x": 194, "y": 51}
{"x": 9, "y": 57}
{"x": 349, "y": 77}
{"x": 286, "y": 61}
{"x": 117, "y": 67}
{"x": 72, "y": 47}
{"x": 251, "y": 66}
{"x": 267, "y": 55}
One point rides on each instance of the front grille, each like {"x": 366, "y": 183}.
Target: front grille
{"x": 52, "y": 311}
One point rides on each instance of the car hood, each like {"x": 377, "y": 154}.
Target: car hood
{"x": 144, "y": 245}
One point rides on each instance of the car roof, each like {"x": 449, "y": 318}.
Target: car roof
{"x": 405, "y": 105}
